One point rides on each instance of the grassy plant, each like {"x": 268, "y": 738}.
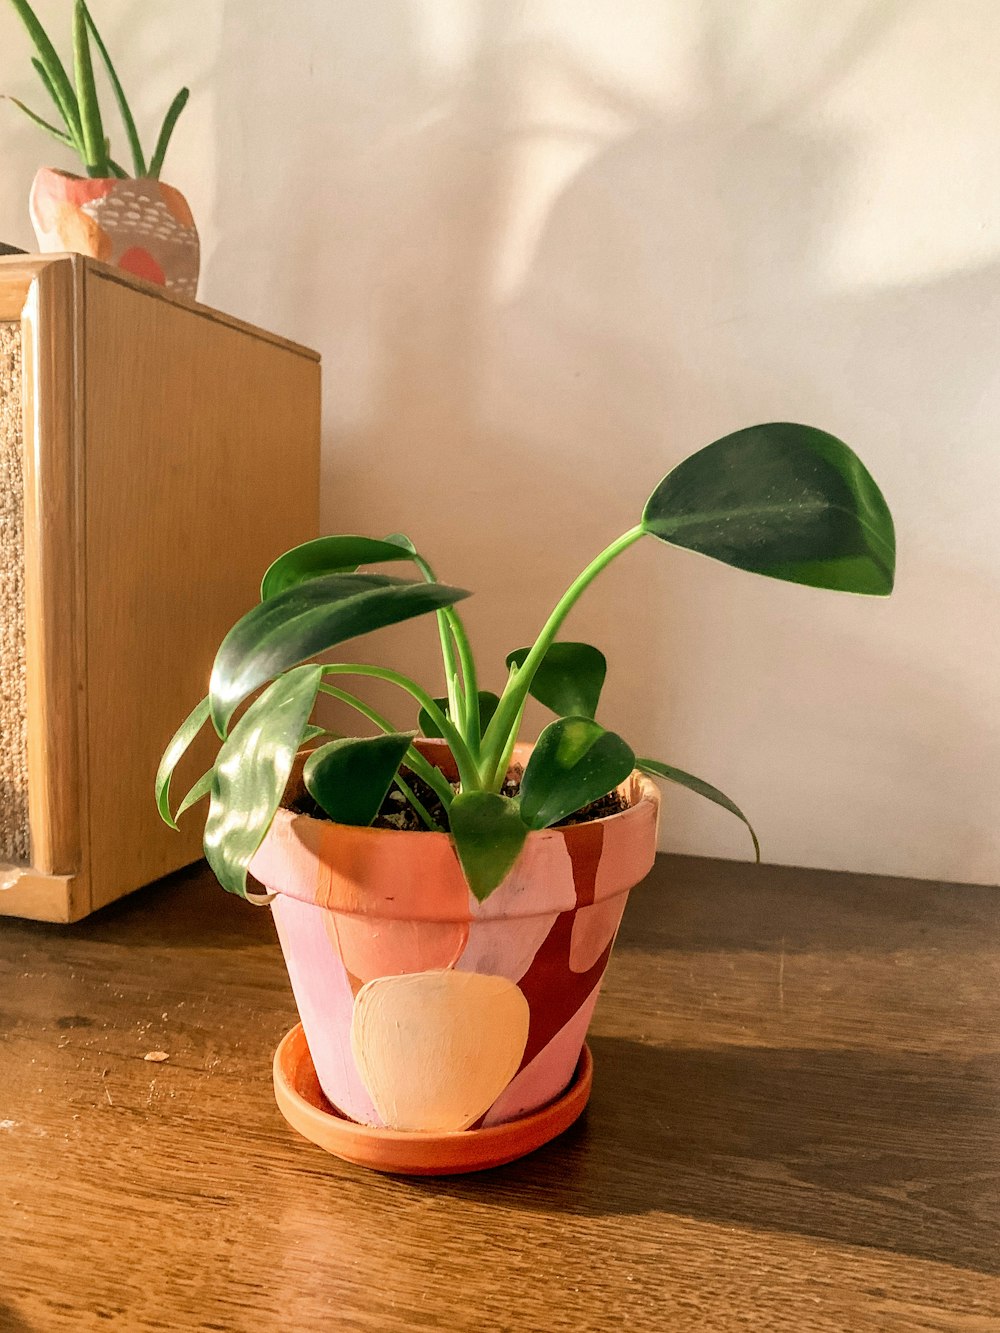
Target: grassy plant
{"x": 786, "y": 501}
{"x": 81, "y": 127}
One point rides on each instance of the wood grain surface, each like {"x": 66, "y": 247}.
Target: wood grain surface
{"x": 795, "y": 1127}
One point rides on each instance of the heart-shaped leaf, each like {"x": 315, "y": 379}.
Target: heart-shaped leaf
{"x": 575, "y": 761}
{"x": 252, "y": 771}
{"x": 487, "y": 707}
{"x": 657, "y": 770}
{"x": 489, "y": 834}
{"x": 783, "y": 500}
{"x": 349, "y": 778}
{"x": 308, "y": 619}
{"x": 569, "y": 678}
{"x": 326, "y": 555}
{"x": 179, "y": 743}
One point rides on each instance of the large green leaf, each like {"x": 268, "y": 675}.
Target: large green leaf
{"x": 349, "y": 778}
{"x": 489, "y": 834}
{"x": 252, "y": 771}
{"x": 575, "y": 761}
{"x": 176, "y": 747}
{"x": 308, "y": 619}
{"x": 657, "y": 770}
{"x": 783, "y": 500}
{"x": 487, "y": 707}
{"x": 569, "y": 678}
{"x": 203, "y": 787}
{"x": 326, "y": 555}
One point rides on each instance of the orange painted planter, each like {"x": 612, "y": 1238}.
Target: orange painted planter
{"x": 140, "y": 225}
{"x": 425, "y": 1011}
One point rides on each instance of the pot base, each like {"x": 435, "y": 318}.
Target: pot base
{"x": 301, "y": 1101}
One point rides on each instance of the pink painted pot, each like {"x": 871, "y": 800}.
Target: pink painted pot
{"x": 425, "y": 1010}
{"x": 140, "y": 225}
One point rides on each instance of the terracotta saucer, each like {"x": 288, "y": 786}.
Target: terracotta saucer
{"x": 301, "y": 1101}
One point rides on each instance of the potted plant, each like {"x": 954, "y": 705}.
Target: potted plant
{"x": 447, "y": 897}
{"x": 135, "y": 222}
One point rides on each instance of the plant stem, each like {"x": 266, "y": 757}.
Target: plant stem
{"x": 457, "y": 696}
{"x": 470, "y": 727}
{"x": 418, "y": 805}
{"x": 413, "y": 759}
{"x": 505, "y": 719}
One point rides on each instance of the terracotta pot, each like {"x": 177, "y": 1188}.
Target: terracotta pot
{"x": 141, "y": 225}
{"x": 429, "y": 1012}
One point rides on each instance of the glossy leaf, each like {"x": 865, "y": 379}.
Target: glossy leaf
{"x": 488, "y": 833}
{"x": 350, "y": 778}
{"x": 655, "y": 769}
{"x": 309, "y": 619}
{"x": 252, "y": 771}
{"x": 203, "y": 786}
{"x": 176, "y": 747}
{"x": 783, "y": 500}
{"x": 569, "y": 678}
{"x": 326, "y": 555}
{"x": 575, "y": 761}
{"x": 487, "y": 707}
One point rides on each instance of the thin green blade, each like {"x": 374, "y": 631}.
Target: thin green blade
{"x": 125, "y": 111}
{"x": 488, "y": 834}
{"x": 575, "y": 761}
{"x": 569, "y": 678}
{"x": 252, "y": 771}
{"x": 350, "y": 778}
{"x": 309, "y": 619}
{"x": 94, "y": 144}
{"x": 657, "y": 770}
{"x": 787, "y": 501}
{"x": 55, "y": 77}
{"x": 176, "y": 747}
{"x": 326, "y": 555}
{"x": 169, "y": 121}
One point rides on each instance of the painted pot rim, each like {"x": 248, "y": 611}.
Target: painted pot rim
{"x": 76, "y": 178}
{"x": 399, "y": 874}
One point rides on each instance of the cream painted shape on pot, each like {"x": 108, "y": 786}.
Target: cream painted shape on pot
{"x": 436, "y": 1049}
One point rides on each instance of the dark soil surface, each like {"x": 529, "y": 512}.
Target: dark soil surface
{"x": 398, "y": 813}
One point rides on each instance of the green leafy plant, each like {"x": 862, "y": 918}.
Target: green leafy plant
{"x": 786, "y": 501}
{"x": 77, "y": 102}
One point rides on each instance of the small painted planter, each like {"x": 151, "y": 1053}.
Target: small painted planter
{"x": 429, "y": 1015}
{"x": 140, "y": 225}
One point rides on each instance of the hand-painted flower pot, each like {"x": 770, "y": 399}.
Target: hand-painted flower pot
{"x": 140, "y": 225}
{"x": 425, "y": 1011}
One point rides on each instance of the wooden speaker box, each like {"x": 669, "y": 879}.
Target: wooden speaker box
{"x": 155, "y": 456}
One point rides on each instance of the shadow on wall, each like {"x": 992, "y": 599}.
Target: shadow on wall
{"x": 535, "y": 292}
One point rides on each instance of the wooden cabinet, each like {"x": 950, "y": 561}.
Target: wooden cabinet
{"x": 155, "y": 456}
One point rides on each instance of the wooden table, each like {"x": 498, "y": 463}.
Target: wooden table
{"x": 795, "y": 1126}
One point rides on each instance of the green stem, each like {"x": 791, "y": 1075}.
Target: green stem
{"x": 466, "y": 764}
{"x": 457, "y": 697}
{"x": 413, "y": 759}
{"x": 515, "y": 693}
{"x": 470, "y": 684}
{"x": 499, "y": 775}
{"x": 418, "y": 805}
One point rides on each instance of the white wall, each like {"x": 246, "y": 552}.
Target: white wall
{"x": 548, "y": 249}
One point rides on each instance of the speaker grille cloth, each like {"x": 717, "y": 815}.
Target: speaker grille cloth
{"x": 14, "y": 837}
